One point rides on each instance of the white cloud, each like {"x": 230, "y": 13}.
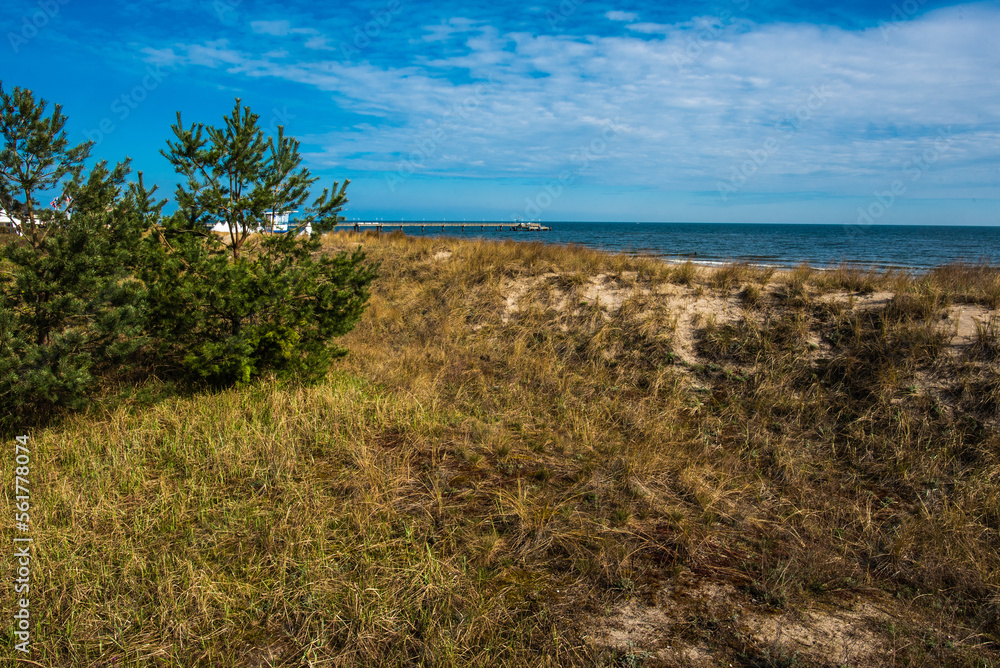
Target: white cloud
{"x": 276, "y": 28}
{"x": 214, "y": 54}
{"x": 621, "y": 16}
{"x": 279, "y": 28}
{"x": 650, "y": 27}
{"x": 448, "y": 29}
{"x": 833, "y": 109}
{"x": 318, "y": 43}
{"x": 165, "y": 56}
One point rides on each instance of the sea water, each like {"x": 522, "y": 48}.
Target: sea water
{"x": 783, "y": 245}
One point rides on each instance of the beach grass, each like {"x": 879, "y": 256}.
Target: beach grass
{"x": 541, "y": 455}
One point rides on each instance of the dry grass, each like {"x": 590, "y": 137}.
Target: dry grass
{"x": 514, "y": 462}
{"x": 736, "y": 274}
{"x": 972, "y": 284}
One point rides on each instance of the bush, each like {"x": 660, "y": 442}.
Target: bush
{"x": 227, "y": 314}
{"x": 71, "y": 309}
{"x": 276, "y": 308}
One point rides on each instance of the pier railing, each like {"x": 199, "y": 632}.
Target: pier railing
{"x": 383, "y": 225}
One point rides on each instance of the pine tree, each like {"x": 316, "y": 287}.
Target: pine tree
{"x": 234, "y": 176}
{"x": 71, "y": 310}
{"x": 107, "y": 287}
{"x": 227, "y": 315}
{"x": 34, "y": 158}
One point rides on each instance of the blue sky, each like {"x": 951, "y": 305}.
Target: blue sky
{"x": 735, "y": 111}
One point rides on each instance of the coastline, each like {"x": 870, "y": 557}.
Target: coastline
{"x": 913, "y": 248}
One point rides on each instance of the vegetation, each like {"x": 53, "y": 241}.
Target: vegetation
{"x": 539, "y": 455}
{"x": 227, "y": 320}
{"x": 237, "y": 177}
{"x": 103, "y": 291}
{"x": 71, "y": 310}
{"x": 35, "y": 157}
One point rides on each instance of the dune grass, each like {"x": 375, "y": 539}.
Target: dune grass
{"x": 519, "y": 445}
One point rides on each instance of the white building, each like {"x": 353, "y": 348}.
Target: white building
{"x": 276, "y": 221}
{"x": 9, "y": 224}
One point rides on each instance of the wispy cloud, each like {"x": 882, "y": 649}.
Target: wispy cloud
{"x": 277, "y": 28}
{"x": 681, "y": 126}
{"x": 694, "y": 91}
{"x": 650, "y": 28}
{"x": 622, "y": 16}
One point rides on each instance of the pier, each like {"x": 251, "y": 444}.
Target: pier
{"x": 384, "y": 225}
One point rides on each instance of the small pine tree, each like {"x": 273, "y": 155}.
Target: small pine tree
{"x": 227, "y": 315}
{"x": 34, "y": 158}
{"x": 71, "y": 309}
{"x": 235, "y": 176}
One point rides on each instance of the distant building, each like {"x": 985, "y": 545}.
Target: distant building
{"x": 278, "y": 222}
{"x": 9, "y": 224}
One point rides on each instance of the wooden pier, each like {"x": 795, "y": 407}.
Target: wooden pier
{"x": 385, "y": 225}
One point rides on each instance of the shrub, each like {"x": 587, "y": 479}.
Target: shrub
{"x": 229, "y": 314}
{"x": 71, "y": 309}
{"x": 276, "y": 308}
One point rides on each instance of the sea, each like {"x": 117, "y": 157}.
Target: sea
{"x": 912, "y": 247}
